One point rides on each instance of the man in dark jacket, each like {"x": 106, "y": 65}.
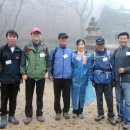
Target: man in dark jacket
{"x": 102, "y": 75}
{"x": 122, "y": 73}
{"x": 10, "y": 56}
{"x": 60, "y": 71}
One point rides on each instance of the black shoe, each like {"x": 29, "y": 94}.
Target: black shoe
{"x": 99, "y": 117}
{"x": 13, "y": 120}
{"x": 3, "y": 122}
{"x": 118, "y": 120}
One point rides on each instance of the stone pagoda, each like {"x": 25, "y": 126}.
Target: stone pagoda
{"x": 93, "y": 32}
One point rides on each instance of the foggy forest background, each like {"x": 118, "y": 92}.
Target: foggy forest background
{"x": 70, "y": 16}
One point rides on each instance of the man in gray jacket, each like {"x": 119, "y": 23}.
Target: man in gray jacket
{"x": 122, "y": 73}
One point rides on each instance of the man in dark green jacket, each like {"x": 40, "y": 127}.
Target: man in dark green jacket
{"x": 33, "y": 69}
{"x": 10, "y": 57}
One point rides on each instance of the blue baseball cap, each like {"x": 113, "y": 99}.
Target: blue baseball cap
{"x": 100, "y": 41}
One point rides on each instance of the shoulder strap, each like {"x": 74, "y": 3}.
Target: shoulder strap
{"x": 53, "y": 59}
{"x": 94, "y": 58}
{"x": 44, "y": 48}
{"x": 109, "y": 58}
{"x": 108, "y": 54}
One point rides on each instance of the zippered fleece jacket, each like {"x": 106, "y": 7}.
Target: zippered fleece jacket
{"x": 122, "y": 60}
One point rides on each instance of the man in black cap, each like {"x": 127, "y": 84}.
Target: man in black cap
{"x": 102, "y": 77}
{"x": 60, "y": 73}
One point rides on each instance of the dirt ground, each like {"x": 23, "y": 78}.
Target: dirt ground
{"x": 87, "y": 123}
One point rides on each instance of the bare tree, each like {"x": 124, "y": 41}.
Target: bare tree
{"x": 1, "y": 5}
{"x": 5, "y": 15}
{"x": 83, "y": 11}
{"x": 18, "y": 13}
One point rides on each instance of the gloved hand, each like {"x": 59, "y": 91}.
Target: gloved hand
{"x": 94, "y": 84}
{"x": 113, "y": 84}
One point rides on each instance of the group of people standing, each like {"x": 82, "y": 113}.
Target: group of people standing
{"x": 70, "y": 72}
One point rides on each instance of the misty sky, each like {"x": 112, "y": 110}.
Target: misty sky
{"x": 53, "y": 16}
{"x": 114, "y": 3}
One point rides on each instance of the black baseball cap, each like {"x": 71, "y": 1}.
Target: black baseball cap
{"x": 100, "y": 41}
{"x": 63, "y": 36}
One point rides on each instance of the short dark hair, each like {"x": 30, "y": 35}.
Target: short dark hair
{"x": 80, "y": 40}
{"x": 12, "y": 32}
{"x": 123, "y": 33}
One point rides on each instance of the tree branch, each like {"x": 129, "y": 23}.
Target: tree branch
{"x": 90, "y": 11}
{"x": 1, "y": 5}
{"x": 84, "y": 7}
{"x": 16, "y": 18}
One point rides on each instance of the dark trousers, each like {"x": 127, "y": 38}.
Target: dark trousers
{"x": 61, "y": 85}
{"x": 29, "y": 90}
{"x": 107, "y": 90}
{"x": 9, "y": 92}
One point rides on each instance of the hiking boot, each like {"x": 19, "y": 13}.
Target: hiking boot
{"x": 27, "y": 120}
{"x": 112, "y": 120}
{"x": 3, "y": 122}
{"x": 58, "y": 116}
{"x": 74, "y": 115}
{"x": 66, "y": 115}
{"x": 40, "y": 118}
{"x": 118, "y": 120}
{"x": 126, "y": 126}
{"x": 81, "y": 116}
{"x": 99, "y": 117}
{"x": 13, "y": 120}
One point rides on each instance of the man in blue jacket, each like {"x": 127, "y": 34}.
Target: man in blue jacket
{"x": 10, "y": 56}
{"x": 60, "y": 73}
{"x": 102, "y": 76}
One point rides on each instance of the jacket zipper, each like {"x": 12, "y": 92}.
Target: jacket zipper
{"x": 63, "y": 65}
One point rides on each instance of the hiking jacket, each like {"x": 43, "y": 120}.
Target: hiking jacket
{"x": 10, "y": 64}
{"x": 62, "y": 63}
{"x": 102, "y": 67}
{"x": 122, "y": 60}
{"x": 34, "y": 61}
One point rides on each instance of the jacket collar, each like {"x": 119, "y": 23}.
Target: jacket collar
{"x": 31, "y": 46}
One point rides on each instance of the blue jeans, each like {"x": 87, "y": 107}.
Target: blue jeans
{"x": 123, "y": 101}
